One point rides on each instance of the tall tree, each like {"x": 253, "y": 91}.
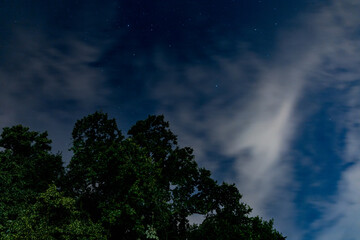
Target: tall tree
{"x": 179, "y": 172}
{"x": 114, "y": 180}
{"x": 91, "y": 136}
{"x": 193, "y": 191}
{"x": 88, "y": 171}
{"x": 27, "y": 166}
{"x": 146, "y": 186}
{"x": 53, "y": 217}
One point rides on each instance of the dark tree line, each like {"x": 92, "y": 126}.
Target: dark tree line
{"x": 143, "y": 186}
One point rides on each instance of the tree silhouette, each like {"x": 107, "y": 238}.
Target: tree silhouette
{"x": 143, "y": 186}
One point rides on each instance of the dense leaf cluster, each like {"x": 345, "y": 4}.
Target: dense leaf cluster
{"x": 143, "y": 186}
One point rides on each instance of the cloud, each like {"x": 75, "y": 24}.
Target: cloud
{"x": 48, "y": 83}
{"x": 247, "y": 116}
{"x": 340, "y": 214}
{"x": 341, "y": 218}
{"x": 246, "y": 108}
{"x": 242, "y": 107}
{"x": 337, "y": 25}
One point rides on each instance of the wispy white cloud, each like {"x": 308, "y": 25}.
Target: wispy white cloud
{"x": 253, "y": 117}
{"x": 341, "y": 218}
{"x": 48, "y": 83}
{"x": 243, "y": 107}
{"x": 338, "y": 25}
{"x": 340, "y": 213}
{"x": 252, "y": 120}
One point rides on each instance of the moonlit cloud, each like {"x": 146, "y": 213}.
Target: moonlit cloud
{"x": 244, "y": 108}
{"x": 339, "y": 68}
{"x": 49, "y": 82}
{"x": 255, "y": 116}
{"x": 341, "y": 218}
{"x": 253, "y": 126}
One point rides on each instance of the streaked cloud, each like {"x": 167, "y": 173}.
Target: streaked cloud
{"x": 251, "y": 125}
{"x": 338, "y": 25}
{"x": 48, "y": 83}
{"x": 243, "y": 107}
{"x": 254, "y": 116}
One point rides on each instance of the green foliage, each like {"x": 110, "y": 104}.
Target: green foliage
{"x": 141, "y": 187}
{"x": 139, "y": 201}
{"x": 52, "y": 216}
{"x": 180, "y": 176}
{"x": 114, "y": 180}
{"x": 146, "y": 186}
{"x": 26, "y": 168}
{"x": 29, "y": 153}
{"x": 92, "y": 137}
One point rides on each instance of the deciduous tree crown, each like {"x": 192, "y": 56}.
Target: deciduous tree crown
{"x": 143, "y": 186}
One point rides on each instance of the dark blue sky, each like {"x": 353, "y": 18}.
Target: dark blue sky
{"x": 266, "y": 92}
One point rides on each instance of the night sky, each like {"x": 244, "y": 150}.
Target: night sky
{"x": 266, "y": 92}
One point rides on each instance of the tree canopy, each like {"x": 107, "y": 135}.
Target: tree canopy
{"x": 143, "y": 186}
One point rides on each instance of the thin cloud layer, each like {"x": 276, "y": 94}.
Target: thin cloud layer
{"x": 339, "y": 69}
{"x": 254, "y": 117}
{"x": 48, "y": 83}
{"x": 252, "y": 126}
{"x": 245, "y": 109}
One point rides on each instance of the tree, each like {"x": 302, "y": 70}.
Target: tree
{"x": 144, "y": 186}
{"x": 133, "y": 202}
{"x": 147, "y": 186}
{"x": 114, "y": 180}
{"x": 229, "y": 219}
{"x": 26, "y": 168}
{"x": 91, "y": 136}
{"x": 180, "y": 176}
{"x": 53, "y": 216}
